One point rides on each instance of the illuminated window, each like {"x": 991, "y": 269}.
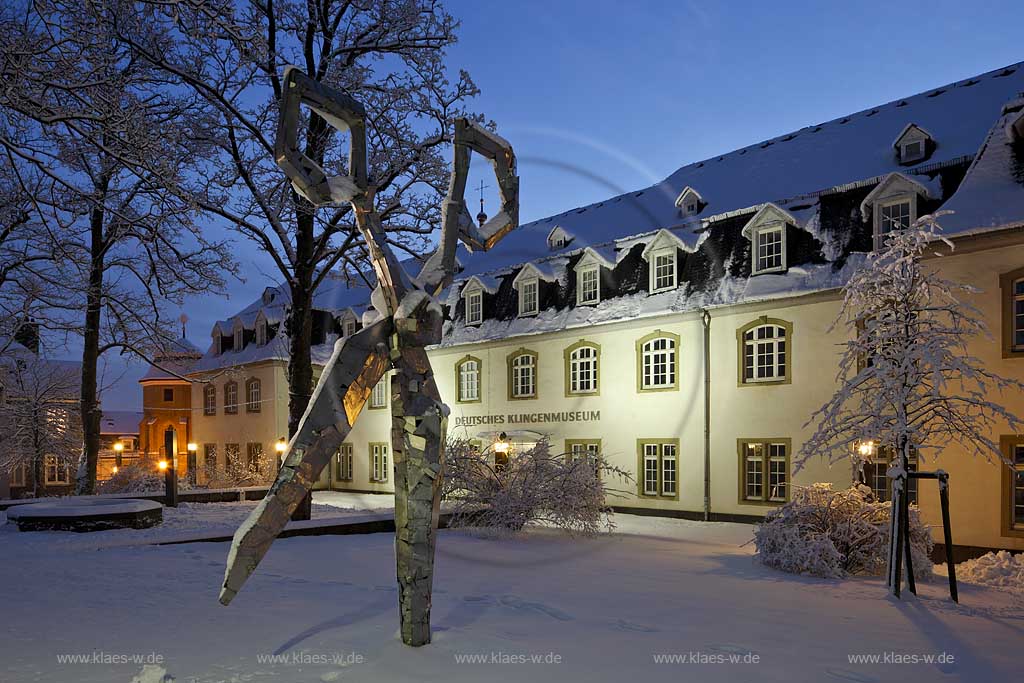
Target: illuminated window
{"x": 57, "y": 471}
{"x": 764, "y": 467}
{"x": 875, "y": 473}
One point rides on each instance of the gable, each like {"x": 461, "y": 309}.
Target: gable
{"x": 892, "y": 185}
{"x": 769, "y": 213}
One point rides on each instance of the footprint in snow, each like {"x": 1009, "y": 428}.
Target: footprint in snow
{"x": 518, "y": 603}
{"x": 624, "y": 625}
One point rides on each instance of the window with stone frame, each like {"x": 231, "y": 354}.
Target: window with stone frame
{"x": 584, "y": 368}
{"x": 874, "y": 472}
{"x": 765, "y": 353}
{"x": 658, "y": 363}
{"x": 209, "y": 400}
{"x": 523, "y": 375}
{"x": 344, "y": 467}
{"x": 56, "y": 471}
{"x": 468, "y": 372}
{"x": 253, "y": 396}
{"x": 659, "y": 468}
{"x": 379, "y": 395}
{"x": 231, "y": 398}
{"x": 379, "y": 462}
{"x": 764, "y": 470}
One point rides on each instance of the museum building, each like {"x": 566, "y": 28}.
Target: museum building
{"x": 685, "y": 330}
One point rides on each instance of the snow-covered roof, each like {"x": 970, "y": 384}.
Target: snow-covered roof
{"x": 908, "y": 128}
{"x": 120, "y": 422}
{"x": 803, "y": 162}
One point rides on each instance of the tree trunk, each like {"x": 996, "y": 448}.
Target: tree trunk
{"x": 300, "y": 335}
{"x": 90, "y": 406}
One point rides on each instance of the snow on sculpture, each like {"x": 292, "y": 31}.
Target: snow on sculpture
{"x": 409, "y": 320}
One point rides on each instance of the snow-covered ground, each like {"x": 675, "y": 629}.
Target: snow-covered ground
{"x": 611, "y": 608}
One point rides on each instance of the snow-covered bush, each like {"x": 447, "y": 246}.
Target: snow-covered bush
{"x": 243, "y": 472}
{"x": 833, "y": 534}
{"x": 134, "y": 478}
{"x": 531, "y": 486}
{"x": 1001, "y": 569}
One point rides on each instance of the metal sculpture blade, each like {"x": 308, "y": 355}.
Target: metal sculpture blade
{"x": 410, "y": 320}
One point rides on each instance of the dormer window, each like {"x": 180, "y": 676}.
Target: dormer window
{"x": 261, "y": 333}
{"x": 663, "y": 270}
{"x": 893, "y": 205}
{"x": 690, "y": 202}
{"x": 474, "y": 307}
{"x": 348, "y": 327}
{"x": 588, "y": 285}
{"x": 217, "y": 346}
{"x": 239, "y": 335}
{"x": 913, "y": 144}
{"x": 528, "y": 299}
{"x": 767, "y": 234}
{"x": 770, "y": 248}
{"x": 558, "y": 238}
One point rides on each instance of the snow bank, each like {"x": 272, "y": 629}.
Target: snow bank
{"x": 1000, "y": 569}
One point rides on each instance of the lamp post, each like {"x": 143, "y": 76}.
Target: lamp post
{"x": 118, "y": 448}
{"x": 280, "y": 447}
{"x": 169, "y": 466}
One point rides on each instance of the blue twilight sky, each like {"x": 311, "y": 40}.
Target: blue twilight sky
{"x": 600, "y": 97}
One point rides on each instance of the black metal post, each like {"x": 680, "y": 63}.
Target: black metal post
{"x": 911, "y": 583}
{"x": 897, "y": 526}
{"x": 948, "y": 534}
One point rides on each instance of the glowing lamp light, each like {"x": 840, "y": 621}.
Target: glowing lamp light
{"x": 192, "y": 448}
{"x": 115, "y": 469}
{"x": 501, "y": 445}
{"x": 866, "y": 448}
{"x": 162, "y": 465}
{"x": 118, "y": 446}
{"x": 281, "y": 446}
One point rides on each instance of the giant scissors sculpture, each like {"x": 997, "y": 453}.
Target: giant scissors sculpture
{"x": 409, "y": 319}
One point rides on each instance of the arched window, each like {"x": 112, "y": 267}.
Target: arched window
{"x": 765, "y": 351}
{"x": 468, "y": 371}
{"x": 522, "y": 374}
{"x": 231, "y": 398}
{"x": 253, "y": 400}
{"x": 657, "y": 361}
{"x": 209, "y": 400}
{"x": 582, "y": 368}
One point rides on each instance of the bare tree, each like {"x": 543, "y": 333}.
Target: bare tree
{"x": 103, "y": 137}
{"x": 388, "y": 54}
{"x": 907, "y": 379}
{"x": 39, "y": 421}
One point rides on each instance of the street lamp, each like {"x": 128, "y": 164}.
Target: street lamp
{"x": 118, "y": 447}
{"x": 192, "y": 448}
{"x": 162, "y": 465}
{"x": 501, "y": 445}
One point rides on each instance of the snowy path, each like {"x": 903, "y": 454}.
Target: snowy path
{"x": 606, "y": 607}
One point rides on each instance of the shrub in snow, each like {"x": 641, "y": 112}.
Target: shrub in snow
{"x": 134, "y": 478}
{"x": 833, "y": 534}
{"x": 1001, "y": 569}
{"x": 243, "y": 472}
{"x": 485, "y": 490}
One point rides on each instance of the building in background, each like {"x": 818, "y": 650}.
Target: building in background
{"x": 119, "y": 441}
{"x": 602, "y": 328}
{"x": 166, "y": 424}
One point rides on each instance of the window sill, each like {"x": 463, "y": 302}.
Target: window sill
{"x": 663, "y": 289}
{"x": 528, "y": 314}
{"x": 654, "y": 390}
{"x": 531, "y": 397}
{"x": 768, "y": 271}
{"x": 762, "y": 503}
{"x": 764, "y": 382}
